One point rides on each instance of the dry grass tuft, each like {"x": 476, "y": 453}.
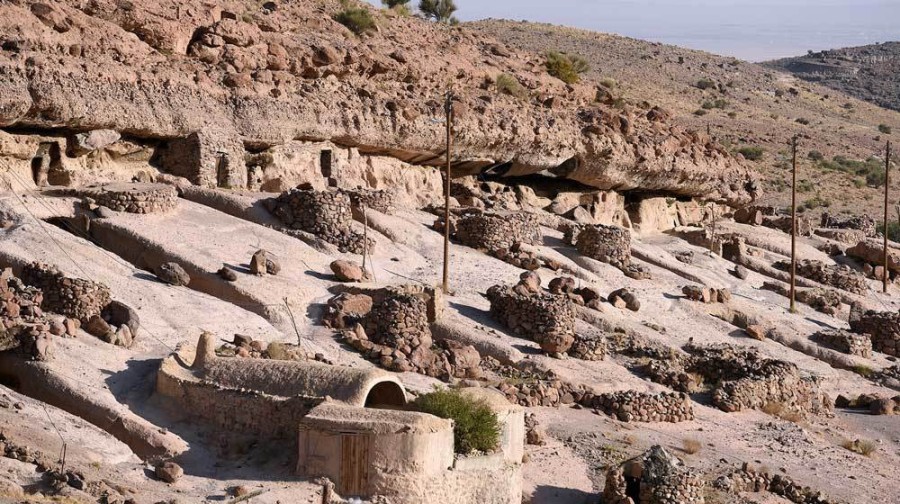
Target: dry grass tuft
{"x": 691, "y": 446}
{"x": 864, "y": 447}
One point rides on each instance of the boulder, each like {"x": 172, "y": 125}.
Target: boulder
{"x": 756, "y": 332}
{"x": 562, "y": 285}
{"x": 98, "y": 327}
{"x": 227, "y": 274}
{"x": 259, "y": 263}
{"x": 531, "y": 281}
{"x": 557, "y": 343}
{"x": 119, "y": 314}
{"x": 741, "y": 272}
{"x": 169, "y": 471}
{"x": 883, "y": 406}
{"x": 347, "y": 271}
{"x": 623, "y": 298}
{"x": 85, "y": 143}
{"x": 173, "y": 274}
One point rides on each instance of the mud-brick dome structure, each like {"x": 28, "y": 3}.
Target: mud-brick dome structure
{"x": 355, "y": 387}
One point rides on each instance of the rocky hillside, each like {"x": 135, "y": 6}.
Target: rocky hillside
{"x": 249, "y": 76}
{"x": 866, "y": 72}
{"x": 745, "y": 106}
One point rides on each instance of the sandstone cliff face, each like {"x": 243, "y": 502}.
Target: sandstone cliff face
{"x": 204, "y": 81}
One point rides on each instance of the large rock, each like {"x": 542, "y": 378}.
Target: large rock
{"x": 85, "y": 143}
{"x": 347, "y": 271}
{"x": 872, "y": 251}
{"x": 169, "y": 471}
{"x": 120, "y": 314}
{"x": 173, "y": 274}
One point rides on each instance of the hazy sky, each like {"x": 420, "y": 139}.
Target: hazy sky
{"x": 752, "y": 30}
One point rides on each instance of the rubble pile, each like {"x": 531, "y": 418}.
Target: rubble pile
{"x": 394, "y": 330}
{"x": 749, "y": 480}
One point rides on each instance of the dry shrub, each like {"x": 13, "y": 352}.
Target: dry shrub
{"x": 782, "y": 411}
{"x": 864, "y": 447}
{"x": 691, "y": 446}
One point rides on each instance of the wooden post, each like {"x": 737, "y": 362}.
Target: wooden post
{"x": 448, "y": 109}
{"x": 794, "y": 226}
{"x": 887, "y": 189}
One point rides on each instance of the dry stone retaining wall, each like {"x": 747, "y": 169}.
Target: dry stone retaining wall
{"x": 327, "y": 214}
{"x": 882, "y": 327}
{"x": 748, "y": 480}
{"x": 845, "y": 342}
{"x": 498, "y": 231}
{"x": 378, "y": 200}
{"x": 632, "y": 406}
{"x": 862, "y": 223}
{"x": 608, "y": 244}
{"x": 73, "y": 297}
{"x": 134, "y": 198}
{"x": 840, "y": 277}
{"x": 547, "y": 319}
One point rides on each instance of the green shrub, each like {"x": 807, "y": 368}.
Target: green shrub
{"x": 508, "y": 84}
{"x": 804, "y": 121}
{"x": 700, "y": 112}
{"x": 715, "y": 104}
{"x": 706, "y": 84}
{"x": 565, "y": 67}
{"x": 815, "y": 155}
{"x": 884, "y": 128}
{"x": 394, "y": 3}
{"x": 871, "y": 170}
{"x": 805, "y": 186}
{"x": 732, "y": 114}
{"x": 817, "y": 202}
{"x": 893, "y": 233}
{"x": 439, "y": 10}
{"x": 357, "y": 19}
{"x": 752, "y": 153}
{"x": 476, "y": 427}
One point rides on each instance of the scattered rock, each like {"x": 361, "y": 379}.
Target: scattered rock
{"x": 227, "y": 274}
{"x": 259, "y": 263}
{"x": 347, "y": 271}
{"x": 169, "y": 471}
{"x": 757, "y": 332}
{"x": 173, "y": 274}
{"x": 623, "y": 298}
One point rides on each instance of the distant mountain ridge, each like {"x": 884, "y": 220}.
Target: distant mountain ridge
{"x": 870, "y": 73}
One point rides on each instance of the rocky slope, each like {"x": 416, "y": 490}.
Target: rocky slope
{"x": 252, "y": 77}
{"x": 866, "y": 72}
{"x": 744, "y": 105}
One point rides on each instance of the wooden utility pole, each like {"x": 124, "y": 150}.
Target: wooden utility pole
{"x": 448, "y": 109}
{"x": 887, "y": 189}
{"x": 794, "y": 226}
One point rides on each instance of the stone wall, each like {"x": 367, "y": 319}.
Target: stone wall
{"x": 73, "y": 297}
{"x": 862, "y": 223}
{"x": 133, "y": 198}
{"x": 883, "y": 328}
{"x": 327, "y": 214}
{"x": 608, "y": 244}
{"x": 497, "y": 231}
{"x": 740, "y": 378}
{"x": 845, "y": 342}
{"x": 547, "y": 319}
{"x": 655, "y": 477}
{"x": 632, "y": 406}
{"x": 841, "y": 277}
{"x": 378, "y": 200}
{"x": 748, "y": 480}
